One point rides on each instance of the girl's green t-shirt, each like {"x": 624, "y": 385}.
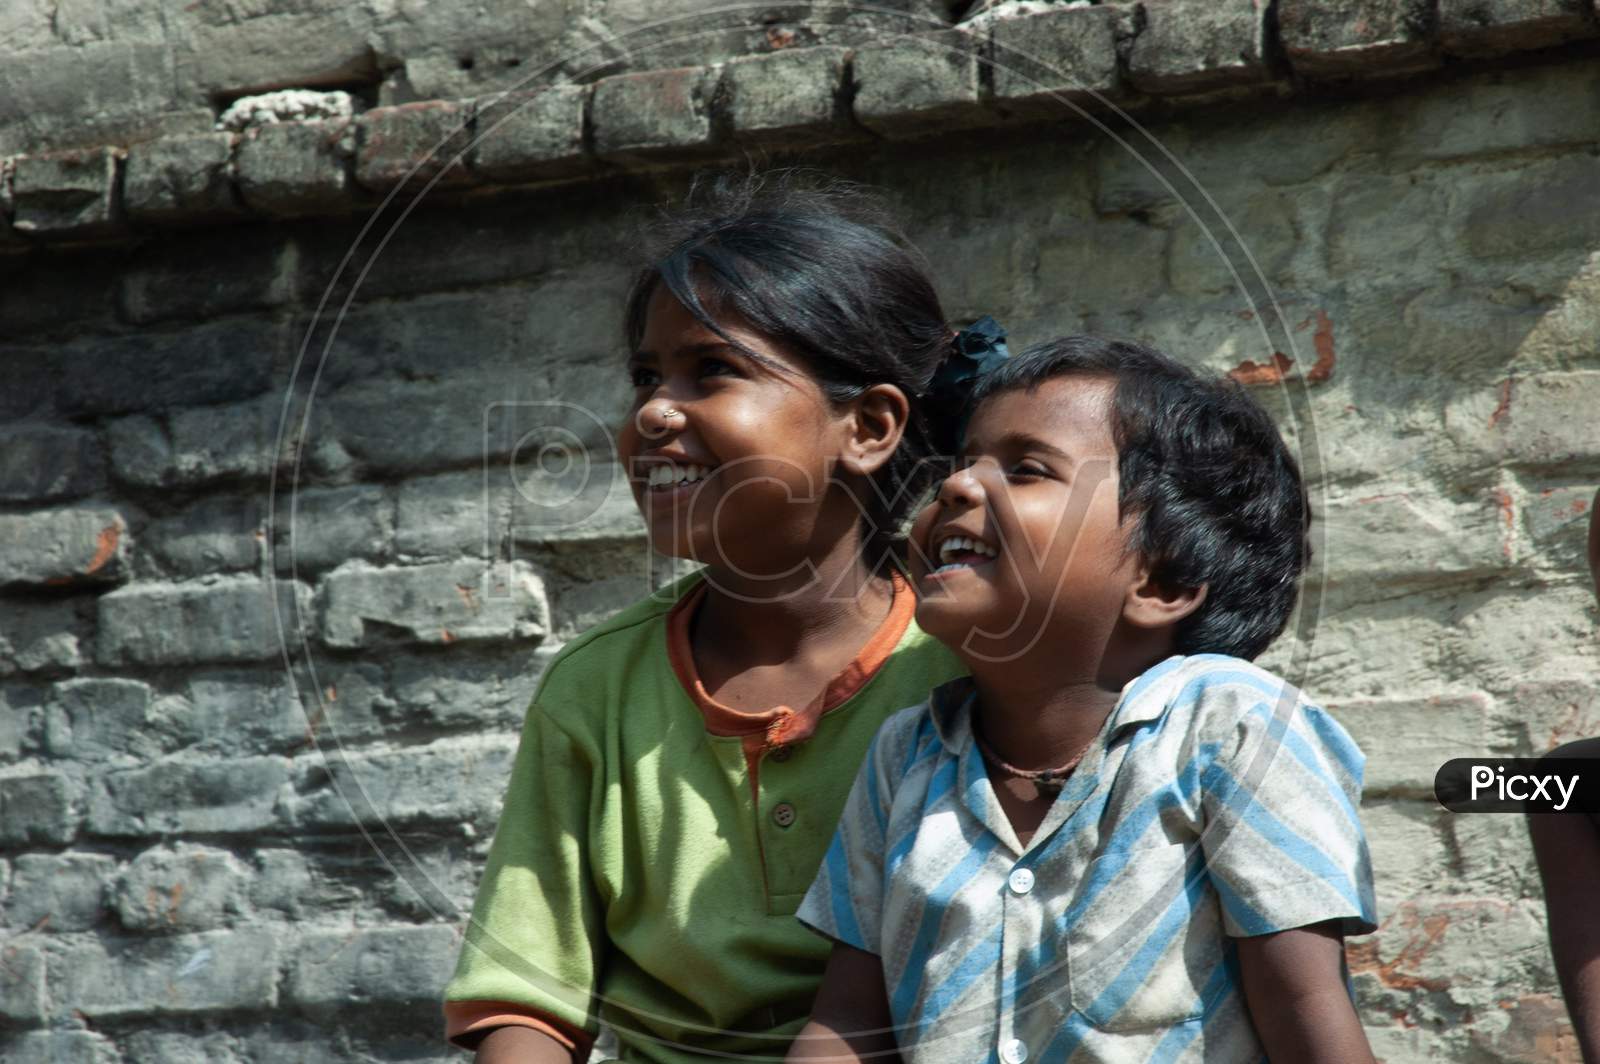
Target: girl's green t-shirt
{"x": 638, "y": 879}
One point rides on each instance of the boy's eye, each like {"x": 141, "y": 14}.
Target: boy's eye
{"x": 1029, "y": 468}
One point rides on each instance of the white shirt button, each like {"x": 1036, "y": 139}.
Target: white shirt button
{"x": 1021, "y": 881}
{"x": 1014, "y": 1051}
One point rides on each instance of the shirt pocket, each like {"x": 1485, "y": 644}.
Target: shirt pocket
{"x": 1146, "y": 939}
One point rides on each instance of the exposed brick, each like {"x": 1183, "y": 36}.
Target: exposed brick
{"x": 920, "y": 84}
{"x": 1383, "y": 538}
{"x": 1551, "y": 713}
{"x": 43, "y": 463}
{"x": 20, "y": 716}
{"x": 657, "y": 114}
{"x": 448, "y": 516}
{"x": 586, "y": 503}
{"x": 205, "y": 797}
{"x": 178, "y": 278}
{"x": 184, "y": 975}
{"x": 790, "y": 97}
{"x": 1406, "y": 740}
{"x": 414, "y": 144}
{"x": 172, "y": 1047}
{"x": 1048, "y": 62}
{"x": 447, "y": 782}
{"x": 22, "y": 984}
{"x": 531, "y": 136}
{"x": 227, "y": 619}
{"x": 237, "y": 441}
{"x": 246, "y": 712}
{"x": 181, "y": 179}
{"x": 1496, "y": 27}
{"x": 63, "y": 548}
{"x": 100, "y": 718}
{"x": 320, "y": 528}
{"x": 66, "y": 1047}
{"x": 40, "y": 635}
{"x": 68, "y": 194}
{"x": 476, "y": 695}
{"x": 1537, "y": 207}
{"x": 1484, "y": 116}
{"x": 180, "y": 888}
{"x": 385, "y": 968}
{"x": 1409, "y": 841}
{"x": 36, "y": 809}
{"x": 1556, "y": 521}
{"x": 442, "y": 603}
{"x": 467, "y": 420}
{"x": 1357, "y": 36}
{"x": 1388, "y": 219}
{"x": 1542, "y": 421}
{"x": 352, "y": 703}
{"x": 510, "y": 238}
{"x": 31, "y": 390}
{"x": 1086, "y": 256}
{"x": 148, "y": 370}
{"x": 1199, "y": 45}
{"x": 215, "y": 535}
{"x": 291, "y": 168}
{"x": 58, "y": 892}
{"x": 589, "y": 582}
{"x": 1269, "y": 227}
{"x": 1437, "y": 944}
{"x": 9, "y": 240}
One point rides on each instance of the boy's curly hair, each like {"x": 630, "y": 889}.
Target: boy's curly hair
{"x": 1217, "y": 495}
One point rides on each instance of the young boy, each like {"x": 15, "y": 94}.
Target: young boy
{"x": 1117, "y": 840}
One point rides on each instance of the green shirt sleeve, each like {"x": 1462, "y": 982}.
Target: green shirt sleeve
{"x": 535, "y": 933}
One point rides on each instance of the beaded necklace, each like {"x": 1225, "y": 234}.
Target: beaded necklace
{"x": 1043, "y": 779}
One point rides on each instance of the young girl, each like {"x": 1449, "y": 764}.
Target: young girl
{"x": 682, "y": 766}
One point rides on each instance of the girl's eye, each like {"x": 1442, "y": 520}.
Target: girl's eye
{"x": 642, "y": 377}
{"x": 716, "y": 367}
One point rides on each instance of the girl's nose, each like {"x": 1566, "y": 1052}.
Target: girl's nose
{"x": 659, "y": 417}
{"x": 962, "y": 489}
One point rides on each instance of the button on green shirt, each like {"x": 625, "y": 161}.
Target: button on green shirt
{"x": 646, "y": 870}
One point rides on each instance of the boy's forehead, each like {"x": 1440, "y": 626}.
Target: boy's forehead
{"x": 1070, "y": 413}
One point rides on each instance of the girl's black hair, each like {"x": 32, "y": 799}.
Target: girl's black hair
{"x": 818, "y": 266}
{"x": 1218, "y": 497}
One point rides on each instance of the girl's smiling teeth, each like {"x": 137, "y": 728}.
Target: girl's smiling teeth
{"x": 963, "y": 552}
{"x": 667, "y": 477}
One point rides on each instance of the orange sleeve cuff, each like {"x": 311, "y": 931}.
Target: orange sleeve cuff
{"x": 465, "y": 1022}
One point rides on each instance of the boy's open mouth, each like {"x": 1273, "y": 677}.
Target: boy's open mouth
{"x": 962, "y": 552}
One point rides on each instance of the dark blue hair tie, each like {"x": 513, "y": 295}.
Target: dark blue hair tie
{"x": 976, "y": 350}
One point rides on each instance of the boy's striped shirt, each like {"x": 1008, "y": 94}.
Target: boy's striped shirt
{"x": 1214, "y": 803}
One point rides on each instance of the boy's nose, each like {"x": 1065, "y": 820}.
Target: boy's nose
{"x": 961, "y": 488}
{"x": 659, "y": 417}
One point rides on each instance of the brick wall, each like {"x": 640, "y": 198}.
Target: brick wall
{"x": 281, "y": 564}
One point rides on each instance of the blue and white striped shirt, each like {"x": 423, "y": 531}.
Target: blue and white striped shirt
{"x": 1215, "y": 803}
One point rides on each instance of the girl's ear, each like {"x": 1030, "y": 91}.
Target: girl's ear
{"x": 878, "y": 421}
{"x": 1153, "y": 603}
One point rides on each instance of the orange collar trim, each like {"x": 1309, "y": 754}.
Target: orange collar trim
{"x": 785, "y": 724}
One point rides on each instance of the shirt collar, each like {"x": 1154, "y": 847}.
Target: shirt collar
{"x": 949, "y": 704}
{"x": 1143, "y": 699}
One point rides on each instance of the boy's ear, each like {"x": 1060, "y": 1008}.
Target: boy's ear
{"x": 878, "y": 422}
{"x": 1153, "y": 603}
